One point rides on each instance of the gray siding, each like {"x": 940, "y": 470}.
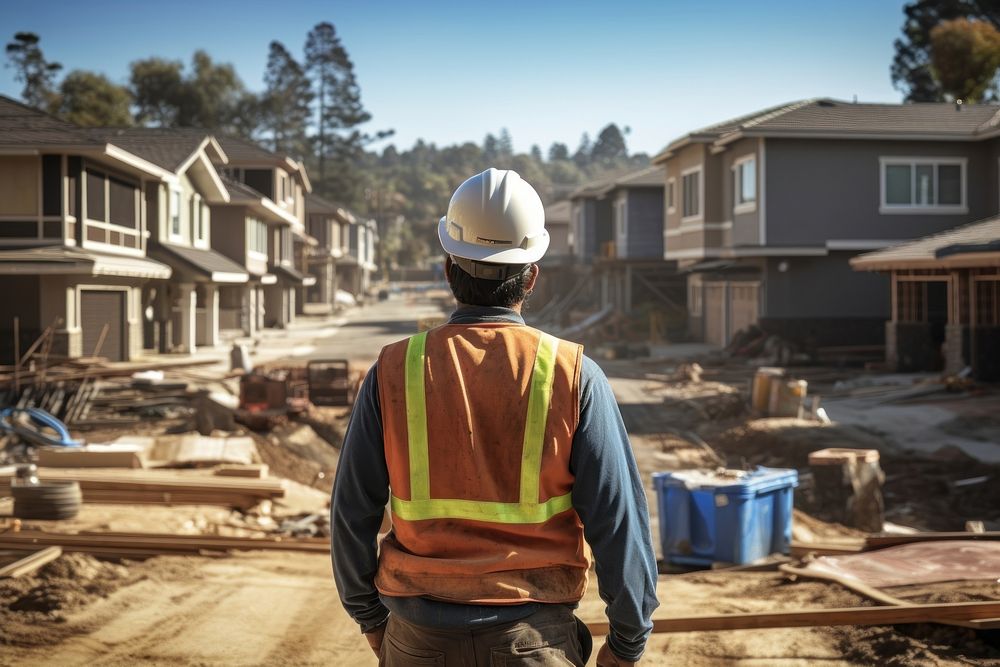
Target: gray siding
{"x": 829, "y": 189}
{"x": 645, "y": 223}
{"x": 823, "y": 287}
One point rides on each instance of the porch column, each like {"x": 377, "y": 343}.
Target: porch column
{"x": 188, "y": 302}
{"x": 210, "y": 333}
{"x": 249, "y": 310}
{"x": 291, "y": 305}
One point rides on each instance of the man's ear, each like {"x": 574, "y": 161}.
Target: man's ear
{"x": 534, "y": 276}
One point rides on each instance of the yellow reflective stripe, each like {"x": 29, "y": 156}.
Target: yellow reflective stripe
{"x": 539, "y": 398}
{"x": 475, "y": 510}
{"x": 416, "y": 418}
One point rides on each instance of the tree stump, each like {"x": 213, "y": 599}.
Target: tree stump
{"x": 848, "y": 486}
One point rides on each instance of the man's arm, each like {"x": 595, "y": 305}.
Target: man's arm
{"x": 360, "y": 492}
{"x": 608, "y": 496}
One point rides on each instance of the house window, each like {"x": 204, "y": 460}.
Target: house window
{"x": 202, "y": 222}
{"x": 745, "y": 184}
{"x": 931, "y": 185}
{"x": 175, "y": 212}
{"x": 671, "y": 206}
{"x": 691, "y": 192}
{"x": 96, "y": 202}
{"x": 257, "y": 236}
{"x": 123, "y": 199}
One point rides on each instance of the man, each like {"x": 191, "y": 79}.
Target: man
{"x": 499, "y": 448}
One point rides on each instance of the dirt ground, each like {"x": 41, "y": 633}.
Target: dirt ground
{"x": 260, "y": 608}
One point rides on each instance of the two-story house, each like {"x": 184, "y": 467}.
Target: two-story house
{"x": 765, "y": 211}
{"x": 182, "y": 313}
{"x": 283, "y": 181}
{"x": 73, "y": 236}
{"x": 356, "y": 267}
{"x": 329, "y": 223}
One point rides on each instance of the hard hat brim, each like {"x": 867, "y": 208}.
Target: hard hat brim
{"x": 482, "y": 253}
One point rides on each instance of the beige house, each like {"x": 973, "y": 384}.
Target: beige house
{"x": 73, "y": 236}
{"x": 182, "y": 313}
{"x": 284, "y": 183}
{"x": 329, "y": 223}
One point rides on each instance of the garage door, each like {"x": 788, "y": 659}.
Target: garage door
{"x": 715, "y": 313}
{"x": 97, "y": 309}
{"x": 745, "y": 306}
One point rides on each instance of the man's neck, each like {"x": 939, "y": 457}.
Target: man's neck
{"x": 516, "y": 307}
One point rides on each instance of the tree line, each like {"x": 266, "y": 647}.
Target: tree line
{"x": 311, "y": 109}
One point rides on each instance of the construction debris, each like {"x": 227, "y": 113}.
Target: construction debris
{"x": 26, "y": 562}
{"x": 847, "y": 483}
{"x": 146, "y": 486}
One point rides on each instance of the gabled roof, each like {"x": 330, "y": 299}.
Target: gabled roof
{"x": 557, "y": 213}
{"x": 241, "y": 194}
{"x": 827, "y": 118}
{"x": 206, "y": 263}
{"x": 965, "y": 245}
{"x": 244, "y": 151}
{"x": 317, "y": 204}
{"x": 165, "y": 147}
{"x": 21, "y": 125}
{"x": 646, "y": 177}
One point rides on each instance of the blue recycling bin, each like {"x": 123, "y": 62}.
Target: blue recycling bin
{"x": 726, "y": 516}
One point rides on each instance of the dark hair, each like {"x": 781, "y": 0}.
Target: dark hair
{"x": 483, "y": 292}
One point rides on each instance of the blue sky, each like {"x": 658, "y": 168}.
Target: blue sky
{"x": 548, "y": 71}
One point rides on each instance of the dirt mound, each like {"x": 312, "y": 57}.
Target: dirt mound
{"x": 917, "y": 646}
{"x": 68, "y": 583}
{"x": 787, "y": 442}
{"x": 296, "y": 452}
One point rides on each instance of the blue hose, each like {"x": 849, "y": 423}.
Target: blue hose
{"x": 39, "y": 419}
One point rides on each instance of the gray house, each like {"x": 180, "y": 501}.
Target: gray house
{"x": 765, "y": 211}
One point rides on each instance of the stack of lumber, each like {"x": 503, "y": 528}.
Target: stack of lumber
{"x": 146, "y": 545}
{"x": 168, "y": 488}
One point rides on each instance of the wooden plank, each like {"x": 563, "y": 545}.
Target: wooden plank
{"x": 155, "y": 481}
{"x": 30, "y": 562}
{"x": 800, "y": 549}
{"x": 161, "y": 542}
{"x": 807, "y": 618}
{"x": 882, "y": 541}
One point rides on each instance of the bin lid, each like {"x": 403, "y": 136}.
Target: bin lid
{"x": 731, "y": 482}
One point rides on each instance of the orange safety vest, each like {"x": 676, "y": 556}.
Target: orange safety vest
{"x": 478, "y": 422}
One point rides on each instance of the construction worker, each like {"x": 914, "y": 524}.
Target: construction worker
{"x": 499, "y": 449}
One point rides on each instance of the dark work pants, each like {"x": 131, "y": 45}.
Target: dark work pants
{"x": 551, "y": 636}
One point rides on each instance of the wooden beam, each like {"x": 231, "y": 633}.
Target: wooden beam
{"x": 30, "y": 562}
{"x": 161, "y": 543}
{"x": 882, "y": 541}
{"x": 808, "y": 618}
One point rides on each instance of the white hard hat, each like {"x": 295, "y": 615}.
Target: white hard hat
{"x": 495, "y": 217}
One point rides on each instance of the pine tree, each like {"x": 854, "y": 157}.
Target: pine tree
{"x": 340, "y": 110}
{"x": 558, "y": 151}
{"x": 609, "y": 147}
{"x": 582, "y": 155}
{"x": 287, "y": 103}
{"x": 536, "y": 153}
{"x": 33, "y": 70}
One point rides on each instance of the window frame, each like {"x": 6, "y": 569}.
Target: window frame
{"x": 671, "y": 195}
{"x": 700, "y": 194}
{"x": 913, "y": 162}
{"x": 175, "y": 202}
{"x": 739, "y": 204}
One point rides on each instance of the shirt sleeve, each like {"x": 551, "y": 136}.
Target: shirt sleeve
{"x": 608, "y": 496}
{"x": 360, "y": 493}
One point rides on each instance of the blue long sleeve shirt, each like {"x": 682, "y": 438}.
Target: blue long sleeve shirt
{"x": 607, "y": 495}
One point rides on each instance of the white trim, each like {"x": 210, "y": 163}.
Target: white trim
{"x": 700, "y": 215}
{"x": 131, "y": 160}
{"x": 762, "y": 209}
{"x": 269, "y": 279}
{"x": 226, "y": 277}
{"x": 749, "y": 206}
{"x": 923, "y": 209}
{"x": 862, "y": 244}
{"x": 177, "y": 237}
